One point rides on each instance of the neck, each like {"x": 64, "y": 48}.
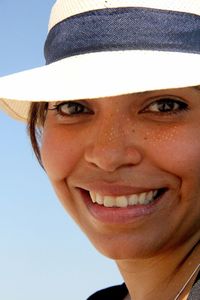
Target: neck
{"x": 161, "y": 276}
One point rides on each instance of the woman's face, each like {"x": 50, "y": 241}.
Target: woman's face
{"x": 138, "y": 156}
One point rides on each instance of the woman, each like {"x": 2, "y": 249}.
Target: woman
{"x": 117, "y": 133}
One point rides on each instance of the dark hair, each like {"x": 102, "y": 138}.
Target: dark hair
{"x": 35, "y": 124}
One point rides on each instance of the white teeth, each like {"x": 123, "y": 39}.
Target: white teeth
{"x": 93, "y": 196}
{"x": 124, "y": 201}
{"x": 108, "y": 201}
{"x": 141, "y": 198}
{"x": 150, "y": 195}
{"x": 99, "y": 199}
{"x": 133, "y": 200}
{"x": 121, "y": 201}
{"x": 155, "y": 193}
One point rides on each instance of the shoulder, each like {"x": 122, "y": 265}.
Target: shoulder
{"x": 118, "y": 292}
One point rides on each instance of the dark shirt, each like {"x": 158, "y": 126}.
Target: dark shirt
{"x": 195, "y": 292}
{"x": 119, "y": 292}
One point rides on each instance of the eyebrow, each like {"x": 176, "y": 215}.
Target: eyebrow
{"x": 197, "y": 87}
{"x": 144, "y": 93}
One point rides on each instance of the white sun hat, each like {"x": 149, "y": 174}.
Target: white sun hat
{"x": 99, "y": 48}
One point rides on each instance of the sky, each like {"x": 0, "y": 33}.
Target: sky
{"x": 43, "y": 254}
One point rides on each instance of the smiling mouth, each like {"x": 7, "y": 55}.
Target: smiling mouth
{"x": 144, "y": 198}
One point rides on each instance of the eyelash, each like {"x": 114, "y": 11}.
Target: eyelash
{"x": 79, "y": 109}
{"x": 174, "y": 106}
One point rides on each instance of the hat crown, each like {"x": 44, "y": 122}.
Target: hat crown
{"x": 64, "y": 9}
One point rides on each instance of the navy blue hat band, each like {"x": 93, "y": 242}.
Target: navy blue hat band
{"x": 128, "y": 28}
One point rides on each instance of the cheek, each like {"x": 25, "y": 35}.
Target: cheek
{"x": 60, "y": 152}
{"x": 177, "y": 150}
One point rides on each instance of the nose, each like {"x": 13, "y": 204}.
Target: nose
{"x": 113, "y": 146}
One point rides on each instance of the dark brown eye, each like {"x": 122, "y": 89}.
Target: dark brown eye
{"x": 166, "y": 105}
{"x": 71, "y": 108}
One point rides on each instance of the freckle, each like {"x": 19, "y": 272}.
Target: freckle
{"x": 165, "y": 136}
{"x": 112, "y": 134}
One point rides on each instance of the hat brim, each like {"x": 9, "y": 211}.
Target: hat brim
{"x": 97, "y": 75}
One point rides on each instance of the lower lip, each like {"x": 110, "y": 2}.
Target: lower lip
{"x": 119, "y": 215}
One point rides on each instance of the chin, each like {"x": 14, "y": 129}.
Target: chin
{"x": 123, "y": 247}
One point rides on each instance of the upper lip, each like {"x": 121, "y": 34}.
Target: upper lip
{"x": 116, "y": 189}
